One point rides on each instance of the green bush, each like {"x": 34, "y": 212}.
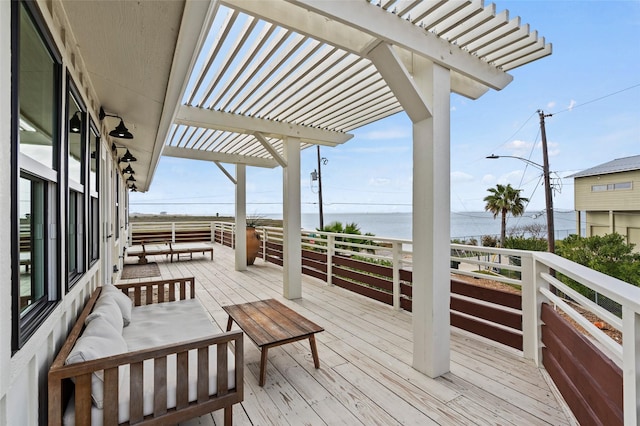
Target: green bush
{"x": 609, "y": 254}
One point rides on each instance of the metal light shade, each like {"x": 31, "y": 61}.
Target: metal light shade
{"x": 129, "y": 170}
{"x": 75, "y": 124}
{"x": 131, "y": 179}
{"x": 128, "y": 157}
{"x": 121, "y": 131}
{"x": 133, "y": 187}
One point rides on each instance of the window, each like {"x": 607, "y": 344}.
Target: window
{"x": 94, "y": 200}
{"x": 76, "y": 208}
{"x": 611, "y": 187}
{"x": 35, "y": 164}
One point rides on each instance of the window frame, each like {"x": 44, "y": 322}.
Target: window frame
{"x": 76, "y": 189}
{"x": 24, "y": 326}
{"x": 93, "y": 195}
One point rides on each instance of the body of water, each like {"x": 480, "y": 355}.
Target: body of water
{"x": 464, "y": 225}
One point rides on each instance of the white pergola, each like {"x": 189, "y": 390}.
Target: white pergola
{"x": 255, "y": 82}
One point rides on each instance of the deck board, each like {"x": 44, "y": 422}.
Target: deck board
{"x": 365, "y": 374}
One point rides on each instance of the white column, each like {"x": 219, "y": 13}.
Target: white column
{"x": 241, "y": 217}
{"x": 292, "y": 246}
{"x": 631, "y": 365}
{"x": 431, "y": 223}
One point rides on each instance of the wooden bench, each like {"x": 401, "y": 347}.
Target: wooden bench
{"x": 189, "y": 248}
{"x": 269, "y": 323}
{"x": 167, "y": 248}
{"x": 199, "y": 364}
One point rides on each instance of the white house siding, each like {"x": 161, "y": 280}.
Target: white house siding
{"x": 23, "y": 375}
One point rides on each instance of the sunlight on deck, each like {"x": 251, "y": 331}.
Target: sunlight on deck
{"x": 365, "y": 374}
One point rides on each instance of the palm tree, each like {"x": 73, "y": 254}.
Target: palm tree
{"x": 503, "y": 200}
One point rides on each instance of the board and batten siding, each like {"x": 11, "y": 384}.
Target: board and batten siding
{"x": 624, "y": 199}
{"x": 23, "y": 373}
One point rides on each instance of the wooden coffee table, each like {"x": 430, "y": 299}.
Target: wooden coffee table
{"x": 269, "y": 323}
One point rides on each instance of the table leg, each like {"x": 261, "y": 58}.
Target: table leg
{"x": 263, "y": 365}
{"x": 314, "y": 351}
{"x": 229, "y": 323}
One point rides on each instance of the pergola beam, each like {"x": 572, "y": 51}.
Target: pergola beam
{"x": 219, "y": 120}
{"x": 193, "y": 154}
{"x": 353, "y": 26}
{"x": 265, "y": 143}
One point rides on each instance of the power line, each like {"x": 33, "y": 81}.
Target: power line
{"x": 596, "y": 99}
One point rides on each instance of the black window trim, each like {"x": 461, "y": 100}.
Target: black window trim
{"x": 22, "y": 328}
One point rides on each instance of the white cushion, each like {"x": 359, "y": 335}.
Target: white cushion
{"x": 124, "y": 302}
{"x": 98, "y": 340}
{"x": 107, "y": 308}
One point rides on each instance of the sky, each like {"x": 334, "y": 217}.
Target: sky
{"x": 590, "y": 84}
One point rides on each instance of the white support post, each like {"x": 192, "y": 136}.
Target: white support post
{"x": 631, "y": 365}
{"x": 431, "y": 223}
{"x": 241, "y": 218}
{"x": 531, "y": 309}
{"x": 397, "y": 264}
{"x": 330, "y": 252}
{"x": 173, "y": 232}
{"x": 291, "y": 241}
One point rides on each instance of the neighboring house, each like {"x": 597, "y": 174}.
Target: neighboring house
{"x": 609, "y": 196}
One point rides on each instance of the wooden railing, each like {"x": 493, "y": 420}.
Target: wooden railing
{"x": 533, "y": 321}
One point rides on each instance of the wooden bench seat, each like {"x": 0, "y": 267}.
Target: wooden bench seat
{"x": 184, "y": 385}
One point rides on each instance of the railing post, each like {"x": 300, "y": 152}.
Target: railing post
{"x": 531, "y": 309}
{"x": 397, "y": 264}
{"x": 212, "y": 231}
{"x": 173, "y": 232}
{"x": 631, "y": 365}
{"x": 330, "y": 253}
{"x": 265, "y": 235}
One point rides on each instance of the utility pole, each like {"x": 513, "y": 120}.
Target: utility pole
{"x": 551, "y": 235}
{"x": 320, "y": 188}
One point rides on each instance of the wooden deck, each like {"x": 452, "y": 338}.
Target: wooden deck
{"x": 365, "y": 374}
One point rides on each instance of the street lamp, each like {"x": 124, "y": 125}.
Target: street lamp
{"x": 547, "y": 192}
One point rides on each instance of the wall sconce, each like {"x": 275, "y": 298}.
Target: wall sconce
{"x": 127, "y": 157}
{"x": 75, "y": 123}
{"x": 129, "y": 170}
{"x": 133, "y": 187}
{"x": 121, "y": 130}
{"x": 131, "y": 179}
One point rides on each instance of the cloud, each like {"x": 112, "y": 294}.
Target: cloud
{"x": 519, "y": 148}
{"x": 376, "y": 181}
{"x": 378, "y": 149}
{"x": 387, "y": 134}
{"x": 572, "y": 104}
{"x": 457, "y": 177}
{"x": 551, "y": 104}
{"x": 488, "y": 179}
{"x": 452, "y": 109}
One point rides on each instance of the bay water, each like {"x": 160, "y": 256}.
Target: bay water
{"x": 464, "y": 225}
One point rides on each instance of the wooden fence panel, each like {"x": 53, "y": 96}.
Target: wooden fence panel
{"x": 589, "y": 382}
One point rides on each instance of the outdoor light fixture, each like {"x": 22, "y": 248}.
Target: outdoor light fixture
{"x": 121, "y": 130}
{"x": 133, "y": 187}
{"x": 129, "y": 170}
{"x": 127, "y": 157}
{"x": 131, "y": 179}
{"x": 75, "y": 123}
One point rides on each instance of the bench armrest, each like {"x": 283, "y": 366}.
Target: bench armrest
{"x": 166, "y": 290}
{"x": 81, "y": 374}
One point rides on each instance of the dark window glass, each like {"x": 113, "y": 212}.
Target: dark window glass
{"x": 32, "y": 242}
{"x": 37, "y": 90}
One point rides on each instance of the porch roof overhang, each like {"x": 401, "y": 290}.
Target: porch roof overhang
{"x": 230, "y": 80}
